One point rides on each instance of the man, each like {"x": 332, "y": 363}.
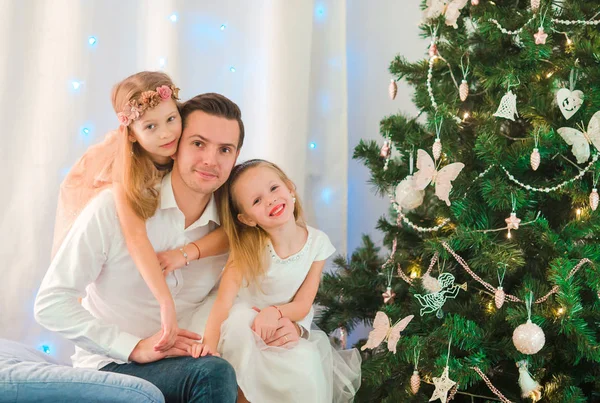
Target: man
{"x": 118, "y": 323}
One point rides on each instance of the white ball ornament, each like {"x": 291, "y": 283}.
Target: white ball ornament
{"x": 407, "y": 196}
{"x": 529, "y": 338}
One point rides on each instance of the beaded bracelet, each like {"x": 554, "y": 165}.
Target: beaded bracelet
{"x": 185, "y": 255}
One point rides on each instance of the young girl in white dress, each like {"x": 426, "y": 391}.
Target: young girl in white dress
{"x": 275, "y": 267}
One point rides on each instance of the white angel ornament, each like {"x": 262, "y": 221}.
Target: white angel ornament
{"x": 435, "y": 301}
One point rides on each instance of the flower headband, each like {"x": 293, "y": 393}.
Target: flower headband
{"x": 148, "y": 100}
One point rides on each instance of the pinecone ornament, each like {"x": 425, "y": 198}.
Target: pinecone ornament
{"x": 452, "y": 393}
{"x": 433, "y": 50}
{"x": 499, "y": 297}
{"x": 535, "y": 5}
{"x": 436, "y": 149}
{"x": 385, "y": 150}
{"x": 535, "y": 159}
{"x": 415, "y": 382}
{"x": 463, "y": 90}
{"x": 594, "y": 198}
{"x": 393, "y": 89}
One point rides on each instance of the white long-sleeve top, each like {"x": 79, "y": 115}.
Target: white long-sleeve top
{"x": 118, "y": 308}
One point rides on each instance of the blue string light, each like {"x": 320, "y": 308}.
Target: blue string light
{"x": 232, "y": 69}
{"x": 92, "y": 40}
{"x": 86, "y": 132}
{"x": 320, "y": 11}
{"x": 223, "y": 26}
{"x": 75, "y": 85}
{"x": 326, "y": 195}
{"x": 313, "y": 144}
{"x": 44, "y": 348}
{"x": 173, "y": 17}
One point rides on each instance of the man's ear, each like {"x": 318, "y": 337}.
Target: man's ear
{"x": 245, "y": 220}
{"x": 237, "y": 154}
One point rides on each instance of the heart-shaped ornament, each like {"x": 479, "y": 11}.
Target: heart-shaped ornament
{"x": 569, "y": 101}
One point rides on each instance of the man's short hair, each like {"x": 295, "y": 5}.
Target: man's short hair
{"x": 216, "y": 105}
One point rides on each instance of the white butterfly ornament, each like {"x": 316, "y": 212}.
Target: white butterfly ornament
{"x": 450, "y": 9}
{"x": 383, "y": 329}
{"x": 580, "y": 140}
{"x": 427, "y": 173}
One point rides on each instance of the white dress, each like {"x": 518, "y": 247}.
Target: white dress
{"x": 310, "y": 371}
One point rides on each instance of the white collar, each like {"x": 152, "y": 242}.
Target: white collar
{"x": 167, "y": 201}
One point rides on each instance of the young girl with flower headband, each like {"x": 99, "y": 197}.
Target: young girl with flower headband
{"x": 132, "y": 160}
{"x": 274, "y": 267}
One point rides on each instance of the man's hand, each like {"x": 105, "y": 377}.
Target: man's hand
{"x": 286, "y": 335}
{"x": 144, "y": 352}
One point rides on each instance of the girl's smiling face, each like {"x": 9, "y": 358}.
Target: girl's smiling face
{"x": 263, "y": 198}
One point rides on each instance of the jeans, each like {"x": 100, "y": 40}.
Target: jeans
{"x": 28, "y": 375}
{"x": 186, "y": 379}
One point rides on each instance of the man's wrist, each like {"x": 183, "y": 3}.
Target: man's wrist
{"x": 123, "y": 346}
{"x": 132, "y": 356}
{"x": 299, "y": 329}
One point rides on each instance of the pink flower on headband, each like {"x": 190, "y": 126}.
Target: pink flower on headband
{"x": 123, "y": 119}
{"x": 148, "y": 100}
{"x": 164, "y": 92}
{"x": 135, "y": 113}
{"x": 129, "y": 114}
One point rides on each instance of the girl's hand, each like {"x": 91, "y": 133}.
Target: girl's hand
{"x": 202, "y": 350}
{"x": 169, "y": 327}
{"x": 170, "y": 260}
{"x": 266, "y": 323}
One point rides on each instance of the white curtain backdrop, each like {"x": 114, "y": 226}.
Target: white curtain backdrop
{"x": 283, "y": 62}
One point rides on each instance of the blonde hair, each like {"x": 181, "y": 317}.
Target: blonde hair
{"x": 248, "y": 244}
{"x": 135, "y": 170}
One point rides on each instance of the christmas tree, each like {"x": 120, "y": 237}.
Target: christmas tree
{"x": 491, "y": 289}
